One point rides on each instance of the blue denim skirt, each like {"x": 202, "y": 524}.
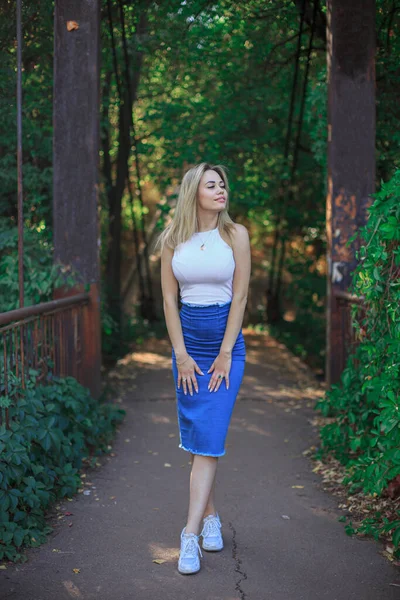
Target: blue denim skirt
{"x": 204, "y": 418}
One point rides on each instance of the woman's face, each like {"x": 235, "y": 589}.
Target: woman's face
{"x": 211, "y": 194}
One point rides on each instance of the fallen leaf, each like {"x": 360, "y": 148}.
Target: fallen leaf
{"x": 55, "y": 550}
{"x": 155, "y": 453}
{"x": 388, "y": 556}
{"x": 3, "y": 567}
{"x": 159, "y": 561}
{"x": 69, "y": 524}
{"x": 76, "y": 570}
{"x": 298, "y": 486}
{"x": 136, "y": 462}
{"x": 68, "y": 514}
{"x": 167, "y": 465}
{"x": 171, "y": 435}
{"x": 112, "y": 497}
{"x": 285, "y": 517}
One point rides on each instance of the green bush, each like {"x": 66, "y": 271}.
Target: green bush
{"x": 364, "y": 432}
{"x": 53, "y": 428}
{"x": 39, "y": 272}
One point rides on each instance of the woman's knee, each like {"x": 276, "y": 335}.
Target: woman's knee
{"x": 205, "y": 460}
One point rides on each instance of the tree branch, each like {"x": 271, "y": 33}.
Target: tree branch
{"x": 320, "y": 22}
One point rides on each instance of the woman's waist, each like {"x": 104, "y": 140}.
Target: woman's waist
{"x": 205, "y": 309}
{"x": 206, "y": 295}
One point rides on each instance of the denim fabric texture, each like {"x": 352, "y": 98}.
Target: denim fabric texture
{"x": 204, "y": 418}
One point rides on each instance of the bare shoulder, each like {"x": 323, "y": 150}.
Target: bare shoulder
{"x": 240, "y": 236}
{"x": 167, "y": 253}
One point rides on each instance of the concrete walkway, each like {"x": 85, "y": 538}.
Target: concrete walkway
{"x": 282, "y": 537}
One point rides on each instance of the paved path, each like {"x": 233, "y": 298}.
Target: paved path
{"x": 138, "y": 500}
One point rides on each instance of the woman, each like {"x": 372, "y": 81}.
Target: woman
{"x": 207, "y": 256}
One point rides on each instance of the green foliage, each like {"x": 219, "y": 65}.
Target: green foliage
{"x": 41, "y": 276}
{"x": 364, "y": 432}
{"x": 53, "y": 428}
{"x": 304, "y": 299}
{"x": 214, "y": 84}
{"x": 117, "y": 341}
{"x": 37, "y": 109}
{"x": 316, "y": 118}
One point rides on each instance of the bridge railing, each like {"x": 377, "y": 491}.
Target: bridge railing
{"x": 49, "y": 338}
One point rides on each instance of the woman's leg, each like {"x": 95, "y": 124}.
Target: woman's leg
{"x": 201, "y": 483}
{"x": 210, "y": 508}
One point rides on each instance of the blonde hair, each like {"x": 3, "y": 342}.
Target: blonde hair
{"x": 184, "y": 223}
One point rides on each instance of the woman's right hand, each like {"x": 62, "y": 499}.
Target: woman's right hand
{"x": 186, "y": 374}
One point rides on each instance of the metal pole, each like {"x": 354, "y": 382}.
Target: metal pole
{"x": 351, "y": 153}
{"x": 19, "y": 158}
{"x": 76, "y": 108}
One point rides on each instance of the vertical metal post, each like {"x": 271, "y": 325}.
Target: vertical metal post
{"x": 76, "y": 119}
{"x": 351, "y": 150}
{"x": 19, "y": 157}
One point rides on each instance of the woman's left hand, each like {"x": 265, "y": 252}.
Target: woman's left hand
{"x": 221, "y": 366}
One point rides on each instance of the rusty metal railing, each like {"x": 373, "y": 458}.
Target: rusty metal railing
{"x": 349, "y": 340}
{"x": 48, "y": 338}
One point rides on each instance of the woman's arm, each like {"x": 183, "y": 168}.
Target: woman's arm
{"x": 185, "y": 363}
{"x": 240, "y": 285}
{"x": 169, "y": 286}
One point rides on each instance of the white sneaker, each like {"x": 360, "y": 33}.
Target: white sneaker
{"x": 212, "y": 538}
{"x": 189, "y": 561}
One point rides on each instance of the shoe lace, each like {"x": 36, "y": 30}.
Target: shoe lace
{"x": 191, "y": 547}
{"x": 211, "y": 527}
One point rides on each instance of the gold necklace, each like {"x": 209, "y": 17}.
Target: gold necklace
{"x": 203, "y": 245}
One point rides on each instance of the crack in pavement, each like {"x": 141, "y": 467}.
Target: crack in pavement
{"x": 238, "y": 564}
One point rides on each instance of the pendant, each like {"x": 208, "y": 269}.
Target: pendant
{"x": 202, "y": 247}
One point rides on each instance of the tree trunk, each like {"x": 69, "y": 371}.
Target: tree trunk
{"x": 116, "y": 189}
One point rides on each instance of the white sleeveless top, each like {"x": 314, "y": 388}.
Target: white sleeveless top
{"x": 204, "y": 276}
